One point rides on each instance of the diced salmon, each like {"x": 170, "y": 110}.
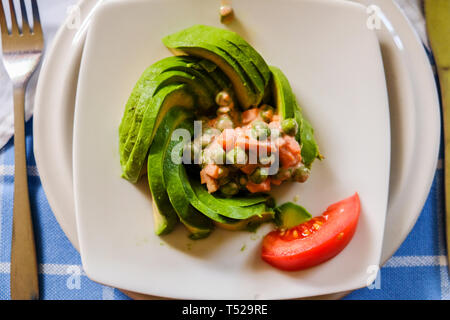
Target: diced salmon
{"x": 287, "y": 158}
{"x": 249, "y": 168}
{"x": 212, "y": 185}
{"x": 292, "y": 145}
{"x": 254, "y": 145}
{"x": 227, "y": 139}
{"x": 276, "y": 182}
{"x": 203, "y": 176}
{"x": 249, "y": 115}
{"x": 212, "y": 170}
{"x": 261, "y": 187}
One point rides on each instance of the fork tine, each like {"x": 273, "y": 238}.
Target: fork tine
{"x": 14, "y": 25}
{"x": 3, "y": 26}
{"x": 25, "y": 25}
{"x": 36, "y": 19}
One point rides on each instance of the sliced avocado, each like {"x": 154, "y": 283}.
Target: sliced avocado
{"x": 166, "y": 98}
{"x": 248, "y": 200}
{"x": 165, "y": 217}
{"x": 216, "y": 74}
{"x": 249, "y": 224}
{"x": 284, "y": 98}
{"x": 184, "y": 43}
{"x": 132, "y": 105}
{"x": 289, "y": 215}
{"x": 250, "y": 60}
{"x": 310, "y": 149}
{"x": 204, "y": 98}
{"x": 139, "y": 100}
{"x": 288, "y": 108}
{"x": 211, "y": 212}
{"x": 194, "y": 68}
{"x": 203, "y": 87}
{"x": 221, "y": 39}
{"x": 224, "y": 205}
{"x": 197, "y": 223}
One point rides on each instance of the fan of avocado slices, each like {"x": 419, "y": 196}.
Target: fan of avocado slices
{"x": 175, "y": 91}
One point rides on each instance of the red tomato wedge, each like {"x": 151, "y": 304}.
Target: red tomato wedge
{"x": 314, "y": 241}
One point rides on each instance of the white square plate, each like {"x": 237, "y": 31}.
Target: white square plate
{"x": 335, "y": 67}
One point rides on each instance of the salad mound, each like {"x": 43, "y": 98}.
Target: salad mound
{"x": 218, "y": 129}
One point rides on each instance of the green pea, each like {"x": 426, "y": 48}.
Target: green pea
{"x": 224, "y": 99}
{"x": 224, "y": 122}
{"x": 223, "y": 172}
{"x": 224, "y": 110}
{"x": 300, "y": 174}
{"x": 214, "y": 154}
{"x": 289, "y": 126}
{"x": 224, "y": 180}
{"x": 260, "y": 130}
{"x": 283, "y": 174}
{"x": 267, "y": 160}
{"x": 208, "y": 135}
{"x": 259, "y": 175}
{"x": 266, "y": 112}
{"x": 236, "y": 156}
{"x": 229, "y": 189}
{"x": 270, "y": 202}
{"x": 242, "y": 180}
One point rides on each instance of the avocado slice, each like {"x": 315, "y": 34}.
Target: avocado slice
{"x": 166, "y": 98}
{"x": 225, "y": 207}
{"x": 289, "y": 215}
{"x": 204, "y": 98}
{"x": 197, "y": 223}
{"x": 215, "y": 73}
{"x": 250, "y": 224}
{"x": 138, "y": 101}
{"x": 288, "y": 108}
{"x": 221, "y": 39}
{"x": 165, "y": 217}
{"x": 173, "y": 70}
{"x": 211, "y": 212}
{"x": 183, "y": 42}
{"x": 284, "y": 98}
{"x": 250, "y": 60}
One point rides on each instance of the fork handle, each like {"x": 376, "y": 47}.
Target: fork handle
{"x": 24, "y": 269}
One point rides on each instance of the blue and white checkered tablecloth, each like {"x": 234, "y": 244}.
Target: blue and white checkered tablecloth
{"x": 418, "y": 270}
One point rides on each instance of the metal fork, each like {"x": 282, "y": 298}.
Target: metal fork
{"x": 22, "y": 50}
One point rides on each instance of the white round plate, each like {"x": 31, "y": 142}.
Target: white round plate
{"x": 415, "y": 121}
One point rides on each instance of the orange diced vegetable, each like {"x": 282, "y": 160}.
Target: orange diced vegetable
{"x": 276, "y": 182}
{"x": 261, "y": 187}
{"x": 287, "y": 159}
{"x": 203, "y": 176}
{"x": 250, "y": 115}
{"x": 249, "y": 168}
{"x": 292, "y": 145}
{"x": 227, "y": 139}
{"x": 212, "y": 170}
